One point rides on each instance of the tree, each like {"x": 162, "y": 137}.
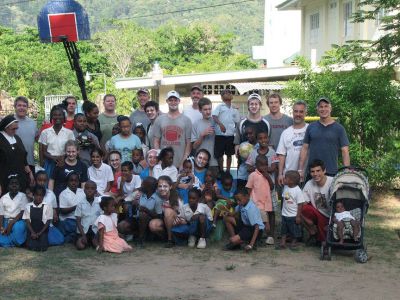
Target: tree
{"x": 387, "y": 13}
{"x": 366, "y": 103}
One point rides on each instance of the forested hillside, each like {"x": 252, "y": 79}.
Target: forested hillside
{"x": 243, "y": 18}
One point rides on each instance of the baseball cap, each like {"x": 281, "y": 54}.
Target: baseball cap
{"x": 196, "y": 87}
{"x": 143, "y": 90}
{"x": 325, "y": 99}
{"x": 254, "y": 96}
{"x": 173, "y": 94}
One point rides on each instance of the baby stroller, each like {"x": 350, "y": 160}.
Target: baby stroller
{"x": 350, "y": 186}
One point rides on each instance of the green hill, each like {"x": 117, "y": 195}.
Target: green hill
{"x": 244, "y": 19}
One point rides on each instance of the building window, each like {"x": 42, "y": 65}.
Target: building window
{"x": 207, "y": 89}
{"x": 381, "y": 13}
{"x": 347, "y": 15}
{"x": 314, "y": 28}
{"x": 332, "y": 4}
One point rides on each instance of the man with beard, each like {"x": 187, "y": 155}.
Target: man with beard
{"x": 193, "y": 112}
{"x": 139, "y": 115}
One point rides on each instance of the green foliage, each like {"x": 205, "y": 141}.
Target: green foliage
{"x": 387, "y": 47}
{"x": 366, "y": 103}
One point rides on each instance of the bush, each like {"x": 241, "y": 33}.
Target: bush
{"x": 366, "y": 103}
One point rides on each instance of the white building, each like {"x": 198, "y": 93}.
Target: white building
{"x": 328, "y": 22}
{"x": 282, "y": 35}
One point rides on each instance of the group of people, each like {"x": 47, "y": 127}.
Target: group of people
{"x": 103, "y": 180}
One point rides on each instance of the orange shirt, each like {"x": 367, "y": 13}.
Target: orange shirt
{"x": 260, "y": 191}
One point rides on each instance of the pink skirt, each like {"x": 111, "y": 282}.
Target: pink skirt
{"x": 113, "y": 243}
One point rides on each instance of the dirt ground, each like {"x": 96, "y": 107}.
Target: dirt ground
{"x": 181, "y": 273}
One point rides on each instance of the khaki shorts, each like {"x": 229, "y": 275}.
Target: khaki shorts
{"x": 264, "y": 216}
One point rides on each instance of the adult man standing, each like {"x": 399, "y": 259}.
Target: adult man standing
{"x": 276, "y": 119}
{"x": 323, "y": 140}
{"x": 173, "y": 129}
{"x": 291, "y": 141}
{"x": 152, "y": 111}
{"x": 193, "y": 112}
{"x": 27, "y": 129}
{"x": 315, "y": 214}
{"x": 108, "y": 118}
{"x": 139, "y": 115}
{"x": 203, "y": 133}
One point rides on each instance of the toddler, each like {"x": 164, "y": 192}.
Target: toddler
{"x": 292, "y": 205}
{"x": 341, "y": 216}
{"x": 186, "y": 180}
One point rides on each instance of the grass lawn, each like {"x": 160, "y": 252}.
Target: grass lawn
{"x": 158, "y": 273}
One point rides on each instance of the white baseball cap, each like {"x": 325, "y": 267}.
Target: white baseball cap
{"x": 254, "y": 96}
{"x": 173, "y": 94}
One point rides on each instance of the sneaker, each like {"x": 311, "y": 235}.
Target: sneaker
{"x": 270, "y": 241}
{"x": 129, "y": 237}
{"x": 202, "y": 243}
{"x": 192, "y": 241}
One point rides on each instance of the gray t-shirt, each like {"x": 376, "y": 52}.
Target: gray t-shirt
{"x": 106, "y": 125}
{"x": 139, "y": 116}
{"x": 208, "y": 141}
{"x": 277, "y": 127}
{"x": 27, "y": 131}
{"x": 325, "y": 143}
{"x": 173, "y": 133}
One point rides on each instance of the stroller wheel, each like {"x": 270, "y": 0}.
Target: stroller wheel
{"x": 361, "y": 256}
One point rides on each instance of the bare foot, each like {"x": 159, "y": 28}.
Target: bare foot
{"x": 341, "y": 242}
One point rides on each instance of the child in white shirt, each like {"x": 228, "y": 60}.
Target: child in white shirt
{"x": 100, "y": 172}
{"x": 293, "y": 200}
{"x": 196, "y": 221}
{"x": 341, "y": 216}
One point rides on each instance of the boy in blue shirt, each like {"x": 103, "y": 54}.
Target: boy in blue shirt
{"x": 245, "y": 225}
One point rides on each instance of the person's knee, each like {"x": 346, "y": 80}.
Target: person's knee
{"x": 79, "y": 244}
{"x": 155, "y": 226}
{"x": 202, "y": 219}
{"x": 123, "y": 227}
{"x": 169, "y": 213}
{"x": 235, "y": 239}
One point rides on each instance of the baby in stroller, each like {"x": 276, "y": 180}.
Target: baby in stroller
{"x": 345, "y": 221}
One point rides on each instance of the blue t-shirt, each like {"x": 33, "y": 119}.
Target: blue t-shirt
{"x": 250, "y": 215}
{"x": 325, "y": 143}
{"x": 153, "y": 203}
{"x": 125, "y": 145}
{"x": 200, "y": 175}
{"x": 225, "y": 193}
{"x": 145, "y": 173}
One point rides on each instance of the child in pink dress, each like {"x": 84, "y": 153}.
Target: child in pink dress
{"x": 107, "y": 229}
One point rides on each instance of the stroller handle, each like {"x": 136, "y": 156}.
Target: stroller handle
{"x": 355, "y": 168}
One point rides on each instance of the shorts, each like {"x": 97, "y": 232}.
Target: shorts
{"x": 246, "y": 232}
{"x": 223, "y": 145}
{"x": 289, "y": 226}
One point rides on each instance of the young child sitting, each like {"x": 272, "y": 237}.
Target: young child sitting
{"x": 55, "y": 236}
{"x": 293, "y": 200}
{"x": 150, "y": 206}
{"x": 209, "y": 181}
{"x": 86, "y": 213}
{"x": 38, "y": 216}
{"x": 100, "y": 172}
{"x": 137, "y": 159}
{"x": 108, "y": 239}
{"x": 69, "y": 199}
{"x": 165, "y": 167}
{"x": 245, "y": 226}
{"x": 197, "y": 221}
{"x": 12, "y": 205}
{"x": 208, "y": 197}
{"x": 186, "y": 180}
{"x": 225, "y": 190}
{"x": 259, "y": 186}
{"x": 340, "y": 218}
{"x": 128, "y": 185}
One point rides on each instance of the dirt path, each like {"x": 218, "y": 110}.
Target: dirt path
{"x": 193, "y": 274}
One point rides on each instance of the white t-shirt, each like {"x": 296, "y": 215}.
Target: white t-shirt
{"x": 291, "y": 198}
{"x": 228, "y": 116}
{"x": 171, "y": 171}
{"x": 88, "y": 213}
{"x": 101, "y": 176}
{"x": 202, "y": 209}
{"x": 109, "y": 222}
{"x": 50, "y": 199}
{"x": 344, "y": 215}
{"x": 56, "y": 142}
{"x": 318, "y": 196}
{"x": 10, "y": 208}
{"x": 193, "y": 114}
{"x": 69, "y": 199}
{"x": 129, "y": 187}
{"x": 290, "y": 145}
